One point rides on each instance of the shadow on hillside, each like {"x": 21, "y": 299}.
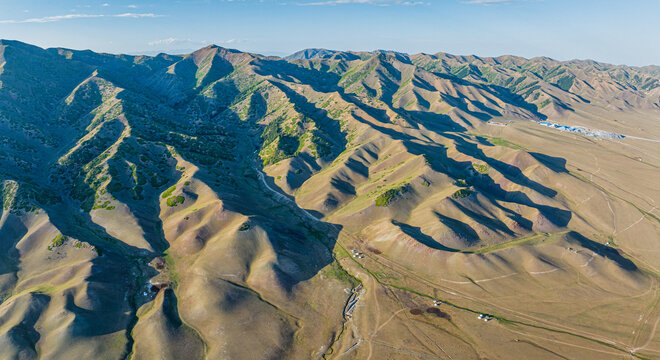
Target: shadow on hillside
{"x": 464, "y": 230}
{"x": 510, "y": 172}
{"x": 603, "y": 250}
{"x": 323, "y": 81}
{"x": 500, "y": 92}
{"x": 417, "y": 234}
{"x": 327, "y": 129}
{"x": 439, "y": 161}
{"x": 11, "y": 232}
{"x": 233, "y": 176}
{"x": 117, "y": 273}
{"x": 319, "y": 81}
{"x": 554, "y": 163}
{"x": 224, "y": 152}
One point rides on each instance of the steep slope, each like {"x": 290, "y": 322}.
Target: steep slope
{"x": 554, "y": 86}
{"x": 204, "y": 205}
{"x": 118, "y": 151}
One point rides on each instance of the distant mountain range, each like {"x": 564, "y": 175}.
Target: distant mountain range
{"x": 229, "y": 205}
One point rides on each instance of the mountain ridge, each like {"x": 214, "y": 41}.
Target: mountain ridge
{"x": 313, "y": 53}
{"x": 214, "y": 188}
{"x": 310, "y": 53}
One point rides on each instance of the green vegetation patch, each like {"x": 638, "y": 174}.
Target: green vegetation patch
{"x": 9, "y": 190}
{"x": 105, "y": 205}
{"x": 461, "y": 193}
{"x": 336, "y": 271}
{"x": 481, "y": 168}
{"x": 502, "y": 142}
{"x": 565, "y": 82}
{"x": 168, "y": 192}
{"x": 21, "y": 198}
{"x": 461, "y": 183}
{"x": 58, "y": 241}
{"x": 388, "y": 196}
{"x": 528, "y": 240}
{"x": 544, "y": 103}
{"x": 506, "y": 143}
{"x": 175, "y": 200}
{"x": 340, "y": 252}
{"x": 244, "y": 227}
{"x": 157, "y": 181}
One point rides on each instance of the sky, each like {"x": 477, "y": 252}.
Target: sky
{"x": 619, "y": 32}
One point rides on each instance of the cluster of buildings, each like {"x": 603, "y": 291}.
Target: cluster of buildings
{"x": 357, "y": 254}
{"x": 485, "y": 317}
{"x": 583, "y": 131}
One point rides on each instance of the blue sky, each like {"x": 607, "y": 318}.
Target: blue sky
{"x": 606, "y": 30}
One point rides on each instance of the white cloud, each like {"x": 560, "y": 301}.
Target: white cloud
{"x": 135, "y": 16}
{"x": 51, "y": 18}
{"x": 132, "y": 6}
{"x": 167, "y": 41}
{"x": 48, "y": 19}
{"x": 105, "y": 4}
{"x": 486, "y": 2}
{"x": 172, "y": 41}
{"x": 175, "y": 41}
{"x": 365, "y": 2}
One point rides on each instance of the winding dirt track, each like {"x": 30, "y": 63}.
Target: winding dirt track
{"x": 526, "y": 317}
{"x": 651, "y": 336}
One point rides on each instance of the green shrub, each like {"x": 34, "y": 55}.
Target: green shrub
{"x": 157, "y": 181}
{"x": 336, "y": 271}
{"x": 386, "y": 198}
{"x": 481, "y": 168}
{"x": 58, "y": 241}
{"x": 506, "y": 143}
{"x": 565, "y": 82}
{"x": 114, "y": 187}
{"x": 168, "y": 192}
{"x": 544, "y": 103}
{"x": 175, "y": 200}
{"x": 461, "y": 193}
{"x": 244, "y": 227}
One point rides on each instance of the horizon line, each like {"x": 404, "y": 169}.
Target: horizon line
{"x": 263, "y": 53}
